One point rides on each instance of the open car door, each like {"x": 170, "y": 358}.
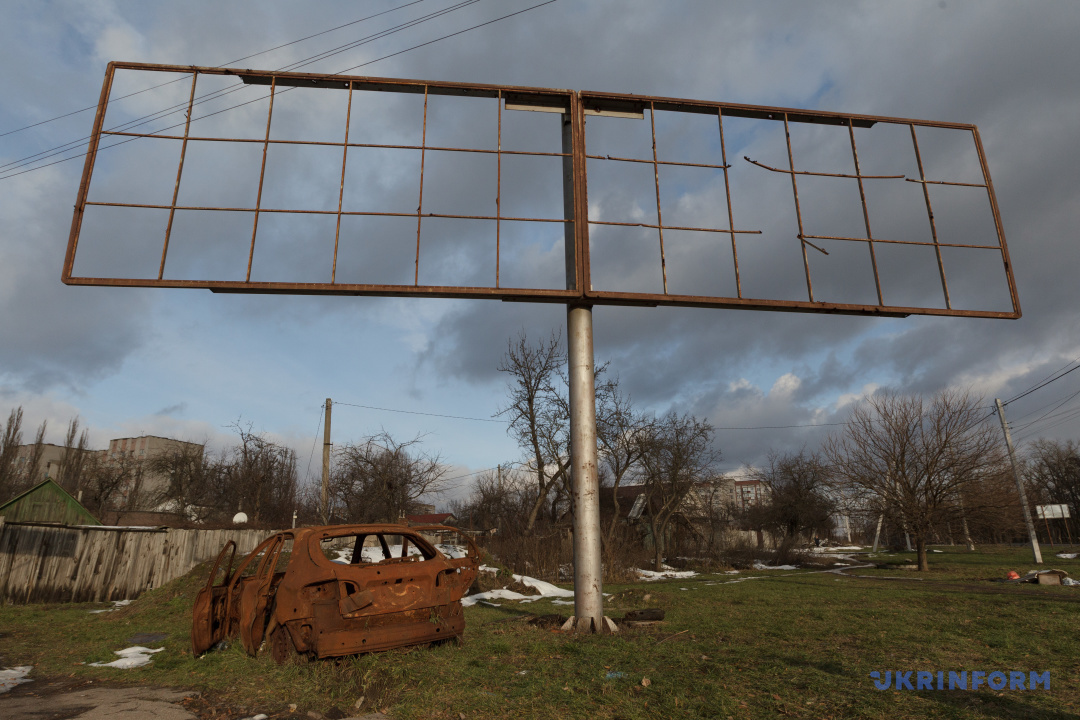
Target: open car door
{"x": 254, "y": 592}
{"x": 209, "y": 615}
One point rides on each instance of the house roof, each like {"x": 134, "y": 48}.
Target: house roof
{"x": 47, "y": 502}
{"x": 431, "y": 519}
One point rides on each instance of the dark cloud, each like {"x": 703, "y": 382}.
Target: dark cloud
{"x": 1006, "y": 67}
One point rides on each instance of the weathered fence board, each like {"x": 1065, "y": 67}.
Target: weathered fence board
{"x": 42, "y": 563}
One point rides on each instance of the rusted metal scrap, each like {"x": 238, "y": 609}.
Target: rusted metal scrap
{"x": 336, "y": 590}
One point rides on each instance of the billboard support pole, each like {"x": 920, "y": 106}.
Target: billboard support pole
{"x": 588, "y": 572}
{"x": 588, "y": 569}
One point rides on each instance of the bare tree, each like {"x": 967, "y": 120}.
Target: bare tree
{"x": 499, "y": 502}
{"x": 108, "y": 481}
{"x": 9, "y": 448}
{"x": 381, "y": 479}
{"x": 679, "y": 455}
{"x": 190, "y": 479}
{"x": 798, "y": 496}
{"x": 912, "y": 457}
{"x": 1053, "y": 471}
{"x": 258, "y": 476}
{"x": 73, "y": 462}
{"x": 622, "y": 435}
{"x": 33, "y": 465}
{"x": 538, "y": 413}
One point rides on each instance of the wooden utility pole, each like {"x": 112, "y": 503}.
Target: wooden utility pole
{"x": 1019, "y": 485}
{"x": 325, "y": 507}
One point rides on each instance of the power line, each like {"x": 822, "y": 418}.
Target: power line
{"x": 414, "y": 412}
{"x": 313, "y": 443}
{"x": 217, "y": 94}
{"x": 231, "y": 62}
{"x": 1048, "y": 412}
{"x": 1055, "y": 372}
{"x": 1042, "y": 385}
{"x": 400, "y": 52}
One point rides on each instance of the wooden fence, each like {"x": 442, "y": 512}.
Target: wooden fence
{"x": 48, "y": 563}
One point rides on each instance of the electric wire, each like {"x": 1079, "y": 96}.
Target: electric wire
{"x": 1066, "y": 417}
{"x": 414, "y": 412}
{"x": 1042, "y": 384}
{"x": 314, "y": 442}
{"x": 158, "y": 114}
{"x": 400, "y": 52}
{"x": 217, "y": 94}
{"x": 1043, "y": 416}
{"x": 1055, "y": 372}
{"x": 231, "y": 62}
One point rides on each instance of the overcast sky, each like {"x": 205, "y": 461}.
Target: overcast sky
{"x": 188, "y": 363}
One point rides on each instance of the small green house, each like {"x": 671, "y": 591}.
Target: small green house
{"x": 47, "y": 502}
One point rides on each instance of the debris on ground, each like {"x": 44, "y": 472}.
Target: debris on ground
{"x": 10, "y": 677}
{"x": 131, "y": 657}
{"x": 641, "y": 618}
{"x": 1042, "y": 577}
{"x": 117, "y": 604}
{"x": 549, "y": 622}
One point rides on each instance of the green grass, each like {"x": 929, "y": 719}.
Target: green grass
{"x": 795, "y": 644}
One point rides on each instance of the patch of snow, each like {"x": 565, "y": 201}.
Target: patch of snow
{"x": 117, "y": 604}
{"x": 758, "y": 565}
{"x": 667, "y": 574}
{"x": 1069, "y": 581}
{"x": 131, "y": 657}
{"x": 834, "y": 548}
{"x": 488, "y": 568}
{"x": 938, "y": 551}
{"x": 562, "y": 602}
{"x": 10, "y": 677}
{"x": 1067, "y": 556}
{"x": 497, "y": 594}
{"x": 546, "y": 589}
{"x": 731, "y": 572}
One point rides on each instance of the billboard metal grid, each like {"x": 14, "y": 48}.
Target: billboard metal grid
{"x": 575, "y": 107}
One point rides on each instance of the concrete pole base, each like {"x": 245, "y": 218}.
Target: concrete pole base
{"x": 588, "y": 625}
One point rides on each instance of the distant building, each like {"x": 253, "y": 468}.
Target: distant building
{"x": 746, "y": 493}
{"x": 143, "y": 490}
{"x": 48, "y": 464}
{"x": 47, "y": 502}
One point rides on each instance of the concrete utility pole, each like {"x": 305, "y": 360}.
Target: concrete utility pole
{"x": 588, "y": 571}
{"x": 1019, "y": 485}
{"x": 325, "y": 506}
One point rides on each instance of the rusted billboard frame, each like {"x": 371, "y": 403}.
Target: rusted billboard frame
{"x": 578, "y": 105}
{"x": 599, "y": 103}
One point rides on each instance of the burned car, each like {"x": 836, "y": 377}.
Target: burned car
{"x": 336, "y": 590}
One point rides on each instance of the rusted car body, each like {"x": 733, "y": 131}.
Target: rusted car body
{"x": 336, "y": 590}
